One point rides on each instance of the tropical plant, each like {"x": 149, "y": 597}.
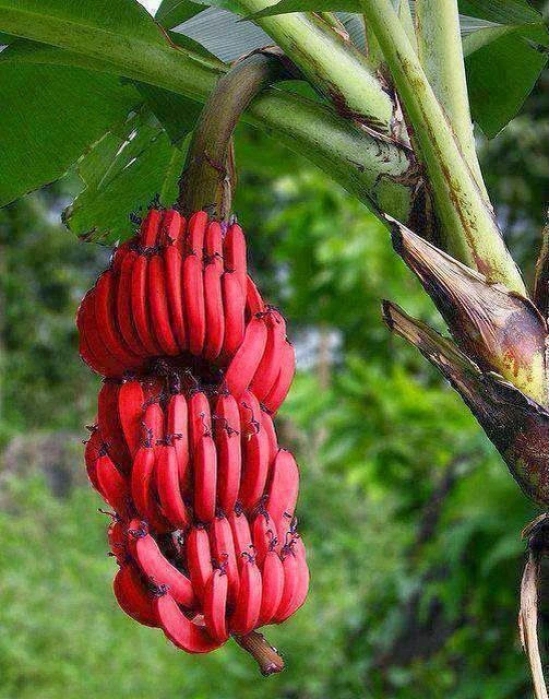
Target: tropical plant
{"x": 379, "y": 94}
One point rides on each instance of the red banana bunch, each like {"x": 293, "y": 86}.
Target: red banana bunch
{"x": 180, "y": 292}
{"x": 184, "y": 448}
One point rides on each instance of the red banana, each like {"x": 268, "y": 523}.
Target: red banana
{"x": 183, "y": 633}
{"x": 93, "y": 349}
{"x": 199, "y": 559}
{"x": 273, "y": 582}
{"x": 223, "y": 552}
{"x": 133, "y": 597}
{"x": 143, "y": 493}
{"x": 228, "y": 447}
{"x": 200, "y": 420}
{"x": 173, "y": 270}
{"x": 130, "y": 413}
{"x": 141, "y": 315}
{"x": 243, "y": 366}
{"x": 112, "y": 485}
{"x": 283, "y": 493}
{"x": 109, "y": 425}
{"x": 215, "y": 602}
{"x": 290, "y": 566}
{"x": 124, "y": 305}
{"x": 172, "y": 228}
{"x": 178, "y": 432}
{"x": 269, "y": 427}
{"x": 247, "y": 610}
{"x": 282, "y": 384}
{"x": 214, "y": 318}
{"x": 116, "y": 536}
{"x": 254, "y": 301}
{"x": 105, "y": 313}
{"x": 270, "y": 365}
{"x": 264, "y": 535}
{"x": 156, "y": 567}
{"x": 92, "y": 451}
{"x": 154, "y": 429}
{"x": 196, "y": 233}
{"x": 256, "y": 452}
{"x": 205, "y": 476}
{"x": 168, "y": 487}
{"x": 213, "y": 246}
{"x": 150, "y": 229}
{"x": 242, "y": 536}
{"x": 234, "y": 252}
{"x": 234, "y": 307}
{"x": 158, "y": 304}
{"x": 193, "y": 299}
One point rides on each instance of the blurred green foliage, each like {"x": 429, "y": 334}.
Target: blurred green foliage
{"x": 411, "y": 521}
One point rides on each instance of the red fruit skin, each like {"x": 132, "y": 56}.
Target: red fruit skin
{"x": 141, "y": 312}
{"x": 113, "y": 486}
{"x": 199, "y": 559}
{"x": 116, "y": 536}
{"x": 124, "y": 306}
{"x": 168, "y": 487}
{"x": 158, "y": 304}
{"x": 228, "y": 448}
{"x": 247, "y": 610}
{"x": 94, "y": 447}
{"x": 264, "y": 535}
{"x": 155, "y": 567}
{"x": 254, "y": 302}
{"x": 150, "y": 229}
{"x": 173, "y": 270}
{"x": 284, "y": 379}
{"x": 223, "y": 552}
{"x": 108, "y": 422}
{"x": 242, "y": 536}
{"x": 130, "y": 412}
{"x": 234, "y": 250}
{"x": 92, "y": 347}
{"x": 106, "y": 321}
{"x": 274, "y": 354}
{"x": 205, "y": 479}
{"x": 177, "y": 432}
{"x": 196, "y": 230}
{"x": 133, "y": 596}
{"x": 234, "y": 304}
{"x": 193, "y": 299}
{"x": 188, "y": 444}
{"x": 283, "y": 493}
{"x": 244, "y": 364}
{"x": 273, "y": 582}
{"x": 214, "y": 312}
{"x": 215, "y": 603}
{"x": 179, "y": 629}
{"x": 143, "y": 489}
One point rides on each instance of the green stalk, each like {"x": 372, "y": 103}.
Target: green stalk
{"x": 405, "y": 15}
{"x": 333, "y": 65}
{"x": 208, "y": 178}
{"x": 441, "y": 57}
{"x": 468, "y": 225}
{"x": 379, "y": 173}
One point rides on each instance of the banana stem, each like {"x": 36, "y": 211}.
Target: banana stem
{"x": 208, "y": 176}
{"x": 267, "y": 657}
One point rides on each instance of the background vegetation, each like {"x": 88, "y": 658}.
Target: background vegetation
{"x": 410, "y": 518}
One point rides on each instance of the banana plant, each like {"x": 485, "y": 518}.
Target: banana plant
{"x": 393, "y": 91}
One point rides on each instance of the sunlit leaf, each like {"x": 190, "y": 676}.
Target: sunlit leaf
{"x": 50, "y": 115}
{"x": 121, "y": 175}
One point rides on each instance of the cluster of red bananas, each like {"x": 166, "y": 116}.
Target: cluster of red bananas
{"x": 184, "y": 448}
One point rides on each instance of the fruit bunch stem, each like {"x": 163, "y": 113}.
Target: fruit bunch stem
{"x": 208, "y": 176}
